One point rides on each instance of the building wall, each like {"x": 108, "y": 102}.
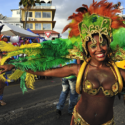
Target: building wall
{"x": 15, "y": 13}
{"x": 15, "y": 19}
{"x": 33, "y": 24}
{"x": 33, "y": 20}
{"x": 37, "y": 19}
{"x": 17, "y": 24}
{"x": 50, "y": 37}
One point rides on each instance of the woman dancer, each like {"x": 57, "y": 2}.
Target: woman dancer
{"x": 98, "y": 78}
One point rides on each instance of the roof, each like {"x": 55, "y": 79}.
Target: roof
{"x": 14, "y": 9}
{"x": 11, "y": 30}
{"x": 43, "y": 31}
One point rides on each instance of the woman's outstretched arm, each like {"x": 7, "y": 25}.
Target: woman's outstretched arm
{"x": 67, "y": 70}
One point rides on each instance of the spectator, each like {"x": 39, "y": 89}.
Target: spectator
{"x": 2, "y": 85}
{"x": 68, "y": 85}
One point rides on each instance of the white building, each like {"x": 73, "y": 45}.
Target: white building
{"x": 2, "y": 17}
{"x": 40, "y": 19}
{"x": 14, "y": 20}
{"x": 15, "y": 13}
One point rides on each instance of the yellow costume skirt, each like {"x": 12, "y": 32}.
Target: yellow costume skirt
{"x": 78, "y": 120}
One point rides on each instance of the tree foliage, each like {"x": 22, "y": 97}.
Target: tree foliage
{"x": 27, "y": 4}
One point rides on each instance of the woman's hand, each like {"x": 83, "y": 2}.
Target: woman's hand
{"x": 5, "y": 68}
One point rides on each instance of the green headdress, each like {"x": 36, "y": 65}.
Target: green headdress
{"x": 93, "y": 24}
{"x": 99, "y": 18}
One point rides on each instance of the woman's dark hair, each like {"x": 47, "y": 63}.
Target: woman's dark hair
{"x": 110, "y": 52}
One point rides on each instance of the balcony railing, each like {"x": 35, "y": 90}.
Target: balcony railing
{"x": 43, "y": 4}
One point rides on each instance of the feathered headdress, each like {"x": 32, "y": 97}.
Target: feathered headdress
{"x": 99, "y": 18}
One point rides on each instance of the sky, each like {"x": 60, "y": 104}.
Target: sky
{"x": 64, "y": 8}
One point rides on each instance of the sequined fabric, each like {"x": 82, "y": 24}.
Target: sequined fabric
{"x": 78, "y": 120}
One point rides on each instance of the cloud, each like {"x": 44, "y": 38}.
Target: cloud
{"x": 65, "y": 8}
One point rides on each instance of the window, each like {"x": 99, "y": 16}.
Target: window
{"x": 38, "y": 26}
{"x": 29, "y": 14}
{"x": 18, "y": 12}
{"x": 46, "y": 26}
{"x": 46, "y": 14}
{"x": 29, "y": 25}
{"x": 37, "y": 14}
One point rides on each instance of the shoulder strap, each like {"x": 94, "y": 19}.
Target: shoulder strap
{"x": 79, "y": 77}
{"x": 118, "y": 76}
{"x": 80, "y": 74}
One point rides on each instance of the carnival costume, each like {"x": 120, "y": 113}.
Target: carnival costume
{"x": 99, "y": 18}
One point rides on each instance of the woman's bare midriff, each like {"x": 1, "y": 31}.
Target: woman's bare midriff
{"x": 95, "y": 109}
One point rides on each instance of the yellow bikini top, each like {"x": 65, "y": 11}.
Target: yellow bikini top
{"x": 88, "y": 87}
{"x": 119, "y": 79}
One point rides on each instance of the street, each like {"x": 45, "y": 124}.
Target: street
{"x": 37, "y": 107}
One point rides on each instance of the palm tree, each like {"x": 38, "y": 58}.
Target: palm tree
{"x": 27, "y": 4}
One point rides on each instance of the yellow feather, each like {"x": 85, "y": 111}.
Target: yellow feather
{"x": 10, "y": 55}
{"x": 16, "y": 75}
{"x": 3, "y": 78}
{"x": 30, "y": 79}
{"x": 32, "y": 45}
{"x": 8, "y": 47}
